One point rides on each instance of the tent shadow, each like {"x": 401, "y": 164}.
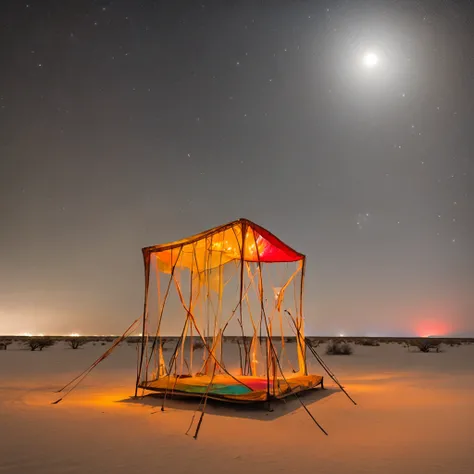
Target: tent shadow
{"x": 254, "y": 411}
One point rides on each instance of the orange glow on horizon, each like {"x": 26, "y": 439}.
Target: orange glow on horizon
{"x": 433, "y": 327}
{"x": 434, "y": 319}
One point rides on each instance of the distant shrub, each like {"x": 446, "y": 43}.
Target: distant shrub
{"x": 153, "y": 341}
{"x": 426, "y": 345}
{"x": 370, "y": 342}
{"x": 34, "y": 343}
{"x": 198, "y": 345}
{"x": 4, "y": 344}
{"x": 315, "y": 343}
{"x": 76, "y": 342}
{"x": 338, "y": 348}
{"x": 407, "y": 344}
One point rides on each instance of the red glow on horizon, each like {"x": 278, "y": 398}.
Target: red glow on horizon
{"x": 434, "y": 319}
{"x": 433, "y": 327}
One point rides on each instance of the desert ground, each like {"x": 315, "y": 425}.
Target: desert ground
{"x": 414, "y": 414}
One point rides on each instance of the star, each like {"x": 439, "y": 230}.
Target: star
{"x": 362, "y": 220}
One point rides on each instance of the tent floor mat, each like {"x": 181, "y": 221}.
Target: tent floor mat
{"x": 238, "y": 389}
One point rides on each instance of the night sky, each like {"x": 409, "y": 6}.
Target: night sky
{"x": 125, "y": 124}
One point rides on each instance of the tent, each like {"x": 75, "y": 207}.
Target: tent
{"x": 236, "y": 276}
{"x": 237, "y": 280}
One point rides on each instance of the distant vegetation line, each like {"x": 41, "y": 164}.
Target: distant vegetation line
{"x": 288, "y": 339}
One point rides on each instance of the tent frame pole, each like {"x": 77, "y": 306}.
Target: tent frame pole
{"x": 146, "y": 261}
{"x": 241, "y": 292}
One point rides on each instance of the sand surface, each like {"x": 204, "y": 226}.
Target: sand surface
{"x": 415, "y": 414}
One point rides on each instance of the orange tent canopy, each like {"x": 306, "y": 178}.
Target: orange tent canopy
{"x": 238, "y": 240}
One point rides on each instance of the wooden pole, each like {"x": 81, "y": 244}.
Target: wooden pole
{"x": 146, "y": 260}
{"x": 241, "y": 292}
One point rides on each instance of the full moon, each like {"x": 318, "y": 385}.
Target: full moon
{"x": 370, "y": 60}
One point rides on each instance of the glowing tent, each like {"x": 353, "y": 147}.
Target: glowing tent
{"x": 237, "y": 278}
